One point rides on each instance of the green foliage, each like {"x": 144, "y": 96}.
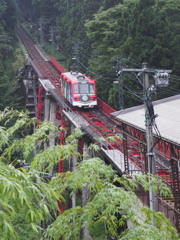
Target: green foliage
{"x": 9, "y": 96}
{"x": 19, "y": 62}
{"x": 25, "y": 146}
{"x": 13, "y": 122}
{"x": 8, "y": 84}
{"x": 144, "y": 232}
{"x": 94, "y": 147}
{"x": 113, "y": 206}
{"x": 91, "y": 172}
{"x": 22, "y": 189}
{"x": 162, "y": 230}
{"x": 159, "y": 187}
{"x": 3, "y": 136}
{"x": 106, "y": 200}
{"x": 28, "y": 198}
{"x": 67, "y": 225}
{"x": 97, "y": 231}
{"x": 108, "y": 204}
{"x": 138, "y": 30}
{"x": 106, "y": 30}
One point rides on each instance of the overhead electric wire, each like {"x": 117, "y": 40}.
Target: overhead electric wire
{"x": 134, "y": 80}
{"x": 132, "y": 92}
{"x": 72, "y": 37}
{"x": 175, "y": 77}
{"x": 169, "y": 92}
{"x": 137, "y": 64}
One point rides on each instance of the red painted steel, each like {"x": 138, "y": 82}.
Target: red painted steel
{"x": 57, "y": 65}
{"x": 105, "y": 108}
{"x": 62, "y": 142}
{"x": 40, "y": 103}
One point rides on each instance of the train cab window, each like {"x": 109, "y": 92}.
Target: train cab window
{"x": 76, "y": 88}
{"x": 91, "y": 88}
{"x": 84, "y": 88}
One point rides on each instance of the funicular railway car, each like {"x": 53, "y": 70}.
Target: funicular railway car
{"x": 78, "y": 89}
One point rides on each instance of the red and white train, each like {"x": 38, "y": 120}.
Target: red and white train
{"x": 78, "y": 89}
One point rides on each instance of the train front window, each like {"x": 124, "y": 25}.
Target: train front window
{"x": 91, "y": 88}
{"x": 76, "y": 88}
{"x": 84, "y": 88}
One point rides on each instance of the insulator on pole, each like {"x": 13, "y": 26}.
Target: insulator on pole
{"x": 161, "y": 79}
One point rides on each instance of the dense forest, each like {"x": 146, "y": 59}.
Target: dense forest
{"x": 102, "y": 35}
{"x": 10, "y": 56}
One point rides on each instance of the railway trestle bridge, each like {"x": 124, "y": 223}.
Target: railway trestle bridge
{"x": 127, "y": 155}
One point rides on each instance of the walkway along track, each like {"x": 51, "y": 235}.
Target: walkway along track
{"x": 100, "y": 124}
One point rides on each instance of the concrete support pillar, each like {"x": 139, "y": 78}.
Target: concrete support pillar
{"x": 46, "y": 109}
{"x": 74, "y": 165}
{"x": 52, "y": 119}
{"x": 85, "y": 195}
{"x": 85, "y": 191}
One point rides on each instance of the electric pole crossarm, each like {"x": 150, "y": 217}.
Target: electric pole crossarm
{"x": 145, "y": 70}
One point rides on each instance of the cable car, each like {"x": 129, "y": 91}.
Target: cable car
{"x": 78, "y": 89}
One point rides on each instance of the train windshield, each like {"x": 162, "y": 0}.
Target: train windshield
{"x": 83, "y": 88}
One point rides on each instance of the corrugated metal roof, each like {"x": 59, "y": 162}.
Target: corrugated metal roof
{"x": 168, "y": 120}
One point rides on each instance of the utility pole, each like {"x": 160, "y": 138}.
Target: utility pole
{"x": 119, "y": 80}
{"x": 41, "y": 20}
{"x": 52, "y": 39}
{"x": 161, "y": 80}
{"x": 76, "y": 50}
{"x": 149, "y": 120}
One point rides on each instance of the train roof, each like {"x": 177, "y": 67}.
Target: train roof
{"x": 76, "y": 77}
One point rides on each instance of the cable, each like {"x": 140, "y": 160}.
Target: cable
{"x": 175, "y": 77}
{"x": 169, "y": 92}
{"x": 132, "y": 92}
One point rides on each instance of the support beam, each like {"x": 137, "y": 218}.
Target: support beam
{"x": 52, "y": 119}
{"x": 74, "y": 165}
{"x": 85, "y": 195}
{"x": 176, "y": 191}
{"x": 125, "y": 148}
{"x": 46, "y": 108}
{"x": 40, "y": 104}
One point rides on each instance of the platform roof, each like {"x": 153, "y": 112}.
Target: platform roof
{"x": 167, "y": 121}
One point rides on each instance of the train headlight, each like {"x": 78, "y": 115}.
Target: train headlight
{"x": 85, "y": 98}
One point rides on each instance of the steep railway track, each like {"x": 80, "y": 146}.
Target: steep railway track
{"x": 103, "y": 124}
{"x": 100, "y": 122}
{"x": 44, "y": 68}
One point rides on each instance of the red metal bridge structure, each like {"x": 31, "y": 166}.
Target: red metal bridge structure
{"x": 127, "y": 155}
